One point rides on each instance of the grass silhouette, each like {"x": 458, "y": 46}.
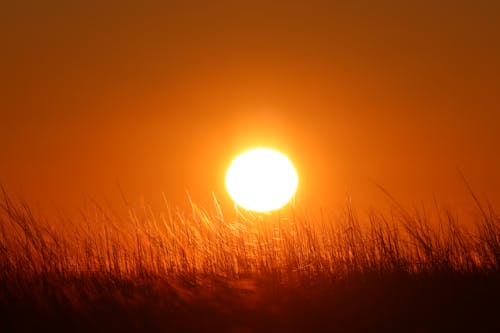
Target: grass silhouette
{"x": 202, "y": 270}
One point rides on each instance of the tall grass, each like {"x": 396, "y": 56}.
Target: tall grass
{"x": 205, "y": 270}
{"x": 199, "y": 242}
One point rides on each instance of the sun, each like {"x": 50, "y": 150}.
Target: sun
{"x": 261, "y": 179}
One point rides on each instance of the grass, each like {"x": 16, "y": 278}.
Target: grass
{"x": 205, "y": 270}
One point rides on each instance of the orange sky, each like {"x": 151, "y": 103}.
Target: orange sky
{"x": 160, "y": 96}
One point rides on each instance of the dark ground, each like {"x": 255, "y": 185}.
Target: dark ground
{"x": 431, "y": 302}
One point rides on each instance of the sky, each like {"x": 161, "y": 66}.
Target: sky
{"x": 157, "y": 97}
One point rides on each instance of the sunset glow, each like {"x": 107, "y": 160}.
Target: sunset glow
{"x": 261, "y": 180}
{"x": 151, "y": 153}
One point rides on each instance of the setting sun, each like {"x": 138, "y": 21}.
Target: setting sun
{"x": 261, "y": 179}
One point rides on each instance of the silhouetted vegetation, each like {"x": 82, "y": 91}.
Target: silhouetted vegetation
{"x": 204, "y": 271}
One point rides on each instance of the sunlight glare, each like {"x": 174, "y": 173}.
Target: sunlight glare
{"x": 261, "y": 179}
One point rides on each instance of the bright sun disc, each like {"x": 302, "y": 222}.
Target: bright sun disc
{"x": 261, "y": 179}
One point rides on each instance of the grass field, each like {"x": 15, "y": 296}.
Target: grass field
{"x": 204, "y": 270}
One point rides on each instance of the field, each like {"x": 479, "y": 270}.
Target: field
{"x": 204, "y": 270}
